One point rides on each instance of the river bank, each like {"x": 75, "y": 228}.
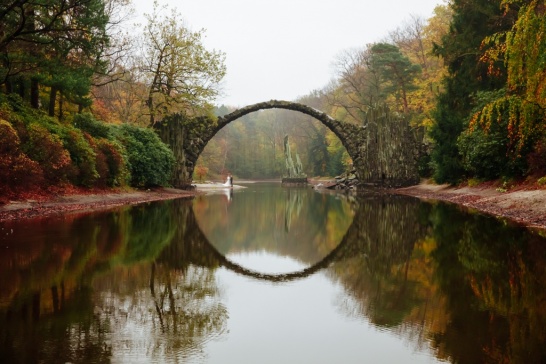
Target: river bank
{"x": 525, "y": 205}
{"x": 97, "y": 200}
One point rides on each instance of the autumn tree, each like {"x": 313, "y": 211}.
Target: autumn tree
{"x": 410, "y": 38}
{"x": 371, "y": 76}
{"x": 461, "y": 50}
{"x": 121, "y": 99}
{"x": 358, "y": 86}
{"x": 521, "y": 108}
{"x": 416, "y": 38}
{"x": 179, "y": 72}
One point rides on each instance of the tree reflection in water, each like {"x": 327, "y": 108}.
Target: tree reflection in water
{"x": 170, "y": 315}
{"x": 471, "y": 287}
{"x": 383, "y": 279}
{"x": 93, "y": 288}
{"x": 495, "y": 275}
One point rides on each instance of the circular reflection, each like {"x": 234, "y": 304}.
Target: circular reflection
{"x": 282, "y": 223}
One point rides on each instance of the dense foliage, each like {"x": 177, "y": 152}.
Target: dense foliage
{"x": 490, "y": 117}
{"x": 39, "y": 152}
{"x": 150, "y": 161}
{"x": 54, "y": 46}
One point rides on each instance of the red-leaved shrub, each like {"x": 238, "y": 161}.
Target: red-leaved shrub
{"x": 101, "y": 164}
{"x": 17, "y": 171}
{"x": 48, "y": 150}
{"x": 118, "y": 173}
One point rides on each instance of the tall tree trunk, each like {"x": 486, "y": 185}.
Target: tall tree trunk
{"x": 34, "y": 93}
{"x": 60, "y": 105}
{"x": 405, "y": 100}
{"x": 9, "y": 85}
{"x": 22, "y": 87}
{"x": 30, "y": 27}
{"x": 154, "y": 86}
{"x": 52, "y": 100}
{"x": 151, "y": 108}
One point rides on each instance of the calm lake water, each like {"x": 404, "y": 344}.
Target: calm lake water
{"x": 273, "y": 275}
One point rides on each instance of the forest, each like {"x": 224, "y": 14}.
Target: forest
{"x": 80, "y": 96}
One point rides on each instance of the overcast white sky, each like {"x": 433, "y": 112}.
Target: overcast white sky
{"x": 282, "y": 49}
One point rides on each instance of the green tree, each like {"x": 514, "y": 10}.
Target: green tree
{"x": 42, "y": 40}
{"x": 461, "y": 50}
{"x": 179, "y": 72}
{"x": 483, "y": 152}
{"x": 396, "y": 70}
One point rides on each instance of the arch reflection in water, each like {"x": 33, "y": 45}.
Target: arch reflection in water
{"x": 266, "y": 218}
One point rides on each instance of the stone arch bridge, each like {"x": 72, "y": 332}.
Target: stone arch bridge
{"x": 383, "y": 149}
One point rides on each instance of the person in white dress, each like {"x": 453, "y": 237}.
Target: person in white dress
{"x": 229, "y": 181}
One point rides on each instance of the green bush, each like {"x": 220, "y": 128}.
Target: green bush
{"x": 149, "y": 160}
{"x": 62, "y": 150}
{"x": 486, "y": 149}
{"x": 42, "y": 136}
{"x": 82, "y": 155}
{"x": 485, "y": 154}
{"x": 101, "y": 165}
{"x": 88, "y": 153}
{"x": 110, "y": 161}
{"x": 87, "y": 123}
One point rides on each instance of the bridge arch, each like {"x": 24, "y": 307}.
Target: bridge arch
{"x": 340, "y": 129}
{"x": 383, "y": 150}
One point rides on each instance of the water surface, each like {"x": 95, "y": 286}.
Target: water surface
{"x": 269, "y": 274}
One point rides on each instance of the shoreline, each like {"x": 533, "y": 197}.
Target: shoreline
{"x": 523, "y": 206}
{"x": 81, "y": 203}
